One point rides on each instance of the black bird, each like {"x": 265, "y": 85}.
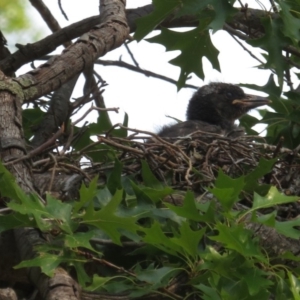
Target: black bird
{"x": 214, "y": 108}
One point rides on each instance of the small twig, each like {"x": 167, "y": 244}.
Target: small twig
{"x": 247, "y": 50}
{"x": 69, "y": 141}
{"x": 147, "y": 73}
{"x": 47, "y": 17}
{"x": 241, "y": 4}
{"x": 278, "y": 147}
{"x": 115, "y": 109}
{"x": 288, "y": 73}
{"x": 62, "y": 10}
{"x": 39, "y": 149}
{"x": 53, "y": 172}
{"x": 76, "y": 169}
{"x": 131, "y": 55}
{"x": 110, "y": 242}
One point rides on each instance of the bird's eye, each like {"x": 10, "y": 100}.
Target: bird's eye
{"x": 229, "y": 95}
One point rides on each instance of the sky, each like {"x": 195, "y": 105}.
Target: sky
{"x": 147, "y": 100}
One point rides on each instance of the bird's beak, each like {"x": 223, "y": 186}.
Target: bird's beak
{"x": 252, "y": 101}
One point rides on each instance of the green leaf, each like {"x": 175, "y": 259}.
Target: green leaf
{"x": 162, "y": 9}
{"x": 156, "y": 195}
{"x": 61, "y": 212}
{"x": 256, "y": 280}
{"x": 158, "y": 277}
{"x": 78, "y": 240}
{"x": 15, "y": 220}
{"x": 103, "y": 196}
{"x": 148, "y": 177}
{"x": 273, "y": 41}
{"x": 268, "y": 219}
{"x": 248, "y": 122}
{"x": 109, "y": 284}
{"x": 239, "y": 239}
{"x": 294, "y": 285}
{"x": 9, "y": 187}
{"x": 188, "y": 239}
{"x": 83, "y": 277}
{"x": 291, "y": 24}
{"x": 86, "y": 194}
{"x": 194, "y": 45}
{"x": 273, "y": 198}
{"x": 220, "y": 10}
{"x": 156, "y": 237}
{"x": 109, "y": 221}
{"x": 114, "y": 178}
{"x": 227, "y": 190}
{"x": 251, "y": 180}
{"x": 47, "y": 262}
{"x": 289, "y": 228}
{"x": 31, "y": 118}
{"x": 188, "y": 209}
{"x": 104, "y": 126}
{"x": 31, "y": 205}
{"x": 141, "y": 196}
{"x": 208, "y": 292}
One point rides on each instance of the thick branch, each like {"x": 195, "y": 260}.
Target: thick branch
{"x": 103, "y": 38}
{"x": 33, "y": 51}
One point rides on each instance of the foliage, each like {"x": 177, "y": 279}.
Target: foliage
{"x": 13, "y": 16}
{"x": 16, "y": 24}
{"x": 168, "y": 240}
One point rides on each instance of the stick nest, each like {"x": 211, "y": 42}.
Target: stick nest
{"x": 193, "y": 163}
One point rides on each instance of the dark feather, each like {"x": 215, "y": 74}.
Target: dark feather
{"x": 214, "y": 108}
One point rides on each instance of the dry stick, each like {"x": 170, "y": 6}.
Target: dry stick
{"x": 121, "y": 269}
{"x": 288, "y": 73}
{"x": 62, "y": 10}
{"x": 115, "y": 109}
{"x": 29, "y": 186}
{"x": 111, "y": 142}
{"x": 69, "y": 141}
{"x": 123, "y": 64}
{"x": 131, "y": 55}
{"x": 53, "y": 171}
{"x": 278, "y": 146}
{"x": 86, "y": 99}
{"x": 159, "y": 139}
{"x": 72, "y": 167}
{"x": 249, "y": 52}
{"x": 39, "y": 149}
{"x": 241, "y": 4}
{"x": 102, "y": 139}
{"x": 245, "y": 37}
{"x": 229, "y": 155}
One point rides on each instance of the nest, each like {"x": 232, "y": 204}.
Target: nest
{"x": 193, "y": 163}
{"x": 188, "y": 163}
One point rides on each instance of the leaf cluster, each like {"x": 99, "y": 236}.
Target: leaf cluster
{"x": 129, "y": 237}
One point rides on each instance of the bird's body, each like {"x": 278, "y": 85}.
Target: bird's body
{"x": 214, "y": 108}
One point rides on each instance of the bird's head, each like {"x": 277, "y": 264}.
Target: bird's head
{"x": 221, "y": 104}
